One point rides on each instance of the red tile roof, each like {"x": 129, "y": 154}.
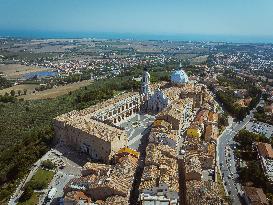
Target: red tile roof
{"x": 265, "y": 150}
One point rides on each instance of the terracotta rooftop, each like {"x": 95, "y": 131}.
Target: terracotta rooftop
{"x": 201, "y": 116}
{"x": 202, "y": 192}
{"x": 77, "y": 196}
{"x": 95, "y": 168}
{"x": 157, "y": 167}
{"x": 175, "y": 109}
{"x": 211, "y": 132}
{"x": 113, "y": 200}
{"x": 265, "y": 150}
{"x": 98, "y": 129}
{"x": 255, "y": 195}
{"x": 213, "y": 117}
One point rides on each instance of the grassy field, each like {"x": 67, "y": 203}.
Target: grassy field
{"x": 39, "y": 181}
{"x": 56, "y": 91}
{"x": 13, "y": 71}
{"x": 42, "y": 176}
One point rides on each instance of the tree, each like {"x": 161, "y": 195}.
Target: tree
{"x": 48, "y": 164}
{"x": 260, "y": 109}
{"x": 223, "y": 120}
{"x": 4, "y": 83}
{"x": 12, "y": 93}
{"x": 26, "y": 194}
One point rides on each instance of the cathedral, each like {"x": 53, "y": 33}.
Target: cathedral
{"x": 156, "y": 101}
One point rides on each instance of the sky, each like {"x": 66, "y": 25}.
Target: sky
{"x": 153, "y": 17}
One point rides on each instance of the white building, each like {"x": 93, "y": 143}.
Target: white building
{"x": 158, "y": 101}
{"x": 159, "y": 195}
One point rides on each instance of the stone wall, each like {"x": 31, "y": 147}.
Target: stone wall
{"x": 82, "y": 141}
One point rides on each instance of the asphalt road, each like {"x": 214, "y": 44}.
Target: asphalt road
{"x": 226, "y": 158}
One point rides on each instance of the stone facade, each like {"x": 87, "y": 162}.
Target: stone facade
{"x": 94, "y": 130}
{"x": 157, "y": 102}
{"x": 99, "y": 140}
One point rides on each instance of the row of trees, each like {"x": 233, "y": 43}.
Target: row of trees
{"x": 223, "y": 120}
{"x": 246, "y": 139}
{"x": 229, "y": 104}
{"x": 11, "y": 97}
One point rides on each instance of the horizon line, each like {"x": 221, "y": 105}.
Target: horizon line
{"x": 227, "y": 38}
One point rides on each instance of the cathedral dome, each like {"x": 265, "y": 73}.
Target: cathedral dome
{"x": 179, "y": 77}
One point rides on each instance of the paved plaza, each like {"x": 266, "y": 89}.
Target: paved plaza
{"x": 137, "y": 126}
{"x": 72, "y": 168}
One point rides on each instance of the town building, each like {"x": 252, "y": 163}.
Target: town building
{"x": 253, "y": 196}
{"x": 105, "y": 183}
{"x": 96, "y": 131}
{"x": 77, "y": 198}
{"x": 265, "y": 153}
{"x": 159, "y": 195}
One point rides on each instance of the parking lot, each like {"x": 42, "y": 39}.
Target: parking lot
{"x": 260, "y": 128}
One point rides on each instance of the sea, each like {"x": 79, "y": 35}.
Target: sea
{"x": 137, "y": 36}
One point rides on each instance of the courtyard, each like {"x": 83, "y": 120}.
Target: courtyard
{"x": 136, "y": 126}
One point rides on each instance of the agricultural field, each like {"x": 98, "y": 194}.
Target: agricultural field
{"x": 14, "y": 71}
{"x": 28, "y": 87}
{"x": 55, "y": 91}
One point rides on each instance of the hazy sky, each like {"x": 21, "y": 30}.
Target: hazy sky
{"x": 228, "y": 17}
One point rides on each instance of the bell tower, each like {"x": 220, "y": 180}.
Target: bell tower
{"x": 145, "y": 84}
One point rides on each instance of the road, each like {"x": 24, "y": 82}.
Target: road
{"x": 60, "y": 179}
{"x": 19, "y": 190}
{"x": 227, "y": 160}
